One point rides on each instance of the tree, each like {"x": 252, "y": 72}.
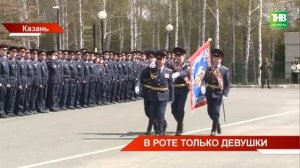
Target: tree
{"x": 81, "y": 41}
{"x": 176, "y": 22}
{"x": 260, "y": 39}
{"x": 203, "y": 21}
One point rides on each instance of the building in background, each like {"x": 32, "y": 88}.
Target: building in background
{"x": 292, "y": 50}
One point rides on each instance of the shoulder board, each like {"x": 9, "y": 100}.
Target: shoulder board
{"x": 168, "y": 69}
{"x": 224, "y": 67}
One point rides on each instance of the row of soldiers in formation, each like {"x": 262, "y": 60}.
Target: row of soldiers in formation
{"x": 36, "y": 81}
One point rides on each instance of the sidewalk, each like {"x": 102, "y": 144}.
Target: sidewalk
{"x": 272, "y": 86}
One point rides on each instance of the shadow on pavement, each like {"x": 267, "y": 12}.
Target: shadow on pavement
{"x": 121, "y": 136}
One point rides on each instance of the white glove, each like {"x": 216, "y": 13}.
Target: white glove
{"x": 175, "y": 75}
{"x": 152, "y": 65}
{"x": 224, "y": 98}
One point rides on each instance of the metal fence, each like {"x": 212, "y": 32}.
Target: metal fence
{"x": 279, "y": 75}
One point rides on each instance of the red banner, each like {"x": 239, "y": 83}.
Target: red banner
{"x": 199, "y": 62}
{"x": 33, "y": 28}
{"x": 212, "y": 143}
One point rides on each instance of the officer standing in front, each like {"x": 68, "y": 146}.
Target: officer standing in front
{"x": 218, "y": 85}
{"x": 181, "y": 73}
{"x": 162, "y": 90}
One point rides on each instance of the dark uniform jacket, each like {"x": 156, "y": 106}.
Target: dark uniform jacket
{"x": 73, "y": 71}
{"x": 80, "y": 71}
{"x": 22, "y": 73}
{"x": 145, "y": 83}
{"x": 212, "y": 82}
{"x": 30, "y": 72}
{"x": 44, "y": 73}
{"x": 37, "y": 73}
{"x": 184, "y": 75}
{"x": 4, "y": 71}
{"x": 87, "y": 74}
{"x": 161, "y": 84}
{"x": 54, "y": 72}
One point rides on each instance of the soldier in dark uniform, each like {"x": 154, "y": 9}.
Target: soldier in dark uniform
{"x": 97, "y": 76}
{"x": 130, "y": 76}
{"x": 80, "y": 79}
{"x": 93, "y": 80}
{"x": 108, "y": 76}
{"x": 12, "y": 82}
{"x": 145, "y": 93}
{"x": 29, "y": 82}
{"x": 114, "y": 83}
{"x": 102, "y": 79}
{"x": 22, "y": 83}
{"x": 4, "y": 75}
{"x": 125, "y": 76}
{"x": 73, "y": 80}
{"x": 266, "y": 69}
{"x": 43, "y": 88}
{"x": 61, "y": 78}
{"x": 120, "y": 77}
{"x": 162, "y": 91}
{"x": 53, "y": 81}
{"x": 181, "y": 73}
{"x": 86, "y": 80}
{"x": 36, "y": 80}
{"x": 66, "y": 80}
{"x": 218, "y": 85}
{"x": 136, "y": 73}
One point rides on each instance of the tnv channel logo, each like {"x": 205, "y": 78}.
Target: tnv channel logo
{"x": 279, "y": 19}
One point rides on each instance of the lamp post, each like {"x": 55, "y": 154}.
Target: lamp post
{"x": 169, "y": 28}
{"x": 58, "y": 36}
{"x": 94, "y": 37}
{"x": 102, "y": 16}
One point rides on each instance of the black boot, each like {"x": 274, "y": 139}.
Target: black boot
{"x": 179, "y": 129}
{"x": 2, "y": 115}
{"x": 165, "y": 125}
{"x": 148, "y": 132}
{"x": 219, "y": 130}
{"x": 213, "y": 129}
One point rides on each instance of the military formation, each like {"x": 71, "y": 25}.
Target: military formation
{"x": 38, "y": 81}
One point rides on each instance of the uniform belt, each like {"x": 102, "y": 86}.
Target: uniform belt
{"x": 213, "y": 86}
{"x": 180, "y": 85}
{"x": 147, "y": 86}
{"x": 159, "y": 88}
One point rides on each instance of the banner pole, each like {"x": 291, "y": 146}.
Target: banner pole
{"x": 209, "y": 40}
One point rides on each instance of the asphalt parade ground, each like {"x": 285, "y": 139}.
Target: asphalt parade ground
{"x": 93, "y": 137}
